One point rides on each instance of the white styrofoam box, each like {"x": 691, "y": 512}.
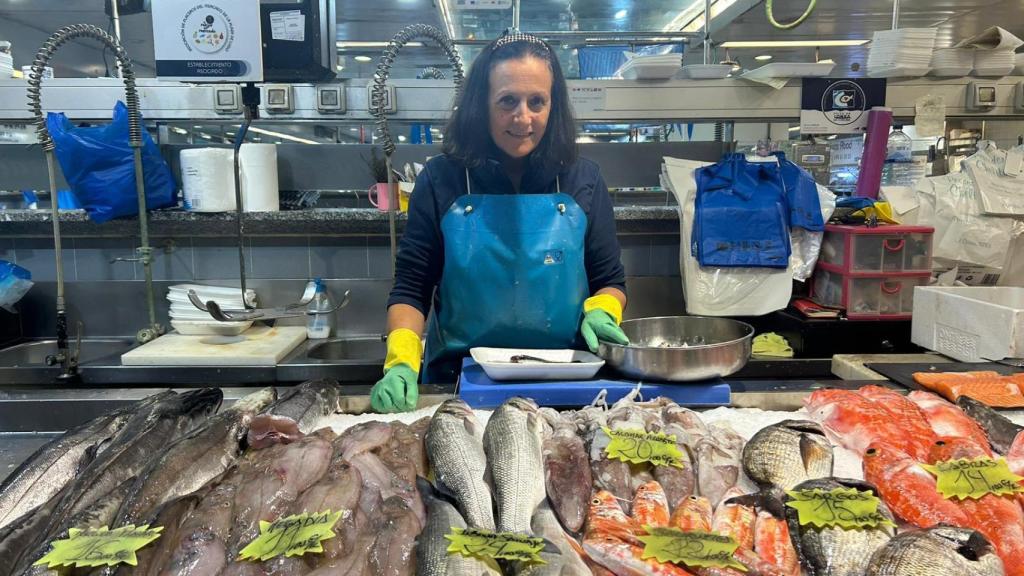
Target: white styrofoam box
{"x": 563, "y": 364}
{"x": 970, "y": 323}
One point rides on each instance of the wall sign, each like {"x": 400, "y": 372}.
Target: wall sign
{"x": 839, "y": 105}
{"x": 208, "y": 41}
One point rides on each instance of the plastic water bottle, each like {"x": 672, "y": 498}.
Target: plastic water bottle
{"x": 898, "y": 169}
{"x": 319, "y": 325}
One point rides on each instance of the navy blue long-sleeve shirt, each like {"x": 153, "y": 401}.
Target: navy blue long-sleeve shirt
{"x": 421, "y": 251}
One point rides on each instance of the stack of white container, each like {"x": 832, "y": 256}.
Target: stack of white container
{"x": 906, "y": 52}
{"x": 994, "y": 63}
{"x": 652, "y": 67}
{"x": 952, "y": 62}
{"x": 6, "y": 60}
{"x": 187, "y": 319}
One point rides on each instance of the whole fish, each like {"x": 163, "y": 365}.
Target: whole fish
{"x": 18, "y": 537}
{"x": 455, "y": 450}
{"x": 432, "y": 557}
{"x": 688, "y": 428}
{"x": 936, "y": 551}
{"x": 513, "y": 444}
{"x": 406, "y": 446}
{"x": 567, "y": 473}
{"x": 855, "y": 421}
{"x": 194, "y": 460}
{"x": 560, "y": 554}
{"x": 1001, "y": 432}
{"x": 946, "y": 419}
{"x": 606, "y": 518}
{"x": 393, "y": 551}
{"x": 737, "y": 516}
{"x": 339, "y": 489}
{"x": 773, "y": 543}
{"x": 363, "y": 437}
{"x": 693, "y": 513}
{"x": 153, "y": 559}
{"x": 308, "y": 404}
{"x": 625, "y": 559}
{"x": 54, "y": 464}
{"x": 908, "y": 489}
{"x": 999, "y": 519}
{"x": 788, "y": 453}
{"x": 906, "y": 415}
{"x": 650, "y": 506}
{"x": 200, "y": 539}
{"x": 835, "y": 551}
{"x": 380, "y": 480}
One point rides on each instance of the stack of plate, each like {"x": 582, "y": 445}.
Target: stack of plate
{"x": 653, "y": 67}
{"x": 906, "y": 52}
{"x": 187, "y": 319}
{"x": 997, "y": 63}
{"x": 1018, "y": 62}
{"x": 952, "y": 62}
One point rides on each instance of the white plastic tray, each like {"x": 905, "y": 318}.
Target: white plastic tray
{"x": 792, "y": 70}
{"x": 705, "y": 71}
{"x": 496, "y": 363}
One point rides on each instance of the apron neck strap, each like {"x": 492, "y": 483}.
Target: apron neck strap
{"x": 469, "y": 189}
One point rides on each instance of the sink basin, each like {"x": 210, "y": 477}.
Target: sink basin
{"x": 33, "y": 354}
{"x": 369, "y": 349}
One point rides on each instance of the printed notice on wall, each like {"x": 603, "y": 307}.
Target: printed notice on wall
{"x": 587, "y": 98}
{"x": 289, "y": 25}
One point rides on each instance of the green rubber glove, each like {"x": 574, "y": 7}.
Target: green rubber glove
{"x": 601, "y": 317}
{"x": 397, "y": 391}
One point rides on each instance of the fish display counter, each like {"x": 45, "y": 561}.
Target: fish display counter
{"x": 293, "y": 481}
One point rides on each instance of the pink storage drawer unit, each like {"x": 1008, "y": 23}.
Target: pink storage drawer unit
{"x": 875, "y": 297}
{"x": 879, "y": 250}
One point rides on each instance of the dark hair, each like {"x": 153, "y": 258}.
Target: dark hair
{"x": 467, "y": 138}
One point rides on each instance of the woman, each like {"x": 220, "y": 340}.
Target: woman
{"x": 514, "y": 232}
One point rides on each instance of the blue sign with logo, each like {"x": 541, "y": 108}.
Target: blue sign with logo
{"x": 839, "y": 105}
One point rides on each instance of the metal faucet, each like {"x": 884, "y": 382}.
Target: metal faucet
{"x": 68, "y": 360}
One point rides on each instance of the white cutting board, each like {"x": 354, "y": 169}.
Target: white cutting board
{"x": 261, "y": 346}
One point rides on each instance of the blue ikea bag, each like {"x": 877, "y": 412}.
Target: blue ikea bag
{"x": 99, "y": 166}
{"x": 741, "y": 217}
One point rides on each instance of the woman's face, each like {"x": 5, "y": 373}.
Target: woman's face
{"x": 519, "y": 104}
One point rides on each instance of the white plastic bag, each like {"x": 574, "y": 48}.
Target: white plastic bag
{"x": 807, "y": 244}
{"x": 1000, "y": 193}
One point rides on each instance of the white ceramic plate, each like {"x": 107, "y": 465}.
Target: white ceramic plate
{"x": 190, "y": 328}
{"x": 496, "y": 362}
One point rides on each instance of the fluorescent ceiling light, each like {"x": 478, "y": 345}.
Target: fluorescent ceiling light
{"x": 791, "y": 43}
{"x": 621, "y": 14}
{"x": 347, "y": 44}
{"x": 763, "y": 57}
{"x": 282, "y": 136}
{"x": 362, "y": 58}
{"x": 691, "y": 18}
{"x": 401, "y": 138}
{"x": 178, "y": 130}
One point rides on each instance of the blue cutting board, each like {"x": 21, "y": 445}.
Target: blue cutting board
{"x": 479, "y": 391}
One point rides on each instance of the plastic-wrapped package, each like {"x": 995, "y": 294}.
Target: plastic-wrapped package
{"x": 711, "y": 291}
{"x": 15, "y": 281}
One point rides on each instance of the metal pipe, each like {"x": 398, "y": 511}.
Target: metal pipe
{"x": 515, "y": 14}
{"x": 393, "y": 208}
{"x": 115, "y": 16}
{"x": 240, "y": 212}
{"x": 145, "y": 251}
{"x": 895, "y": 14}
{"x": 707, "y": 32}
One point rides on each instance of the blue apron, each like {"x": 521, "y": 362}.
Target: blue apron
{"x": 514, "y": 277}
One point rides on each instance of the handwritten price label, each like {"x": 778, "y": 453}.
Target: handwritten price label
{"x": 637, "y": 447}
{"x": 485, "y": 545}
{"x": 694, "y": 549}
{"x": 842, "y": 507}
{"x": 292, "y": 536}
{"x": 99, "y": 547}
{"x": 974, "y": 478}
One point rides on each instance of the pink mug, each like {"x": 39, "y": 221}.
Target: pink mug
{"x": 379, "y": 197}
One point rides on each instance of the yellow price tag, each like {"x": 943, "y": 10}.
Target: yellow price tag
{"x": 842, "y": 507}
{"x": 637, "y": 446}
{"x": 974, "y": 478}
{"x": 99, "y": 546}
{"x": 693, "y": 549}
{"x": 486, "y": 544}
{"x": 292, "y": 536}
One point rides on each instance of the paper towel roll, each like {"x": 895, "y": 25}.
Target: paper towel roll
{"x": 260, "y": 192}
{"x": 206, "y": 179}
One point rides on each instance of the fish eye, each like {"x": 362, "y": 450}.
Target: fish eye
{"x": 871, "y": 452}
{"x": 595, "y": 501}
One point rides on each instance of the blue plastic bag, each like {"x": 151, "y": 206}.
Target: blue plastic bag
{"x": 98, "y": 164}
{"x": 801, "y": 195}
{"x": 14, "y": 283}
{"x": 741, "y": 217}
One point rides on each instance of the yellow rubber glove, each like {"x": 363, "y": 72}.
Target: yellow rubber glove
{"x": 602, "y": 315}
{"x": 398, "y": 390}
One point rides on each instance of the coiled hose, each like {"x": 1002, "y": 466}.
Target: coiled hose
{"x": 794, "y": 23}
{"x": 387, "y": 59}
{"x": 46, "y": 52}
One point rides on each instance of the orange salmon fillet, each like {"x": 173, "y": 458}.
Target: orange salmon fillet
{"x": 989, "y": 387}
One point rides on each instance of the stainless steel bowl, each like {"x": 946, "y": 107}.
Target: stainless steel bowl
{"x": 680, "y": 348}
